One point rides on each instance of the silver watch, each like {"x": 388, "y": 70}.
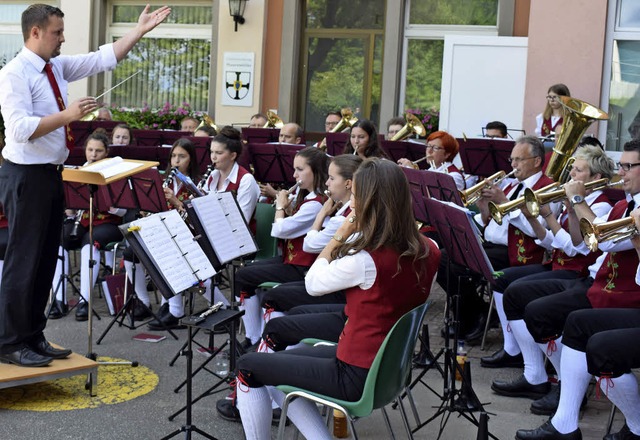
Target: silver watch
{"x": 576, "y": 199}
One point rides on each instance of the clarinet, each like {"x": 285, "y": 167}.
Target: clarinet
{"x": 76, "y": 225}
{"x": 205, "y": 177}
{"x": 169, "y": 179}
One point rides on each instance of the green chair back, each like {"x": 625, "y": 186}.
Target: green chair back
{"x": 267, "y": 245}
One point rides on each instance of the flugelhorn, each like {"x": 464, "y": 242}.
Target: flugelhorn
{"x": 577, "y": 117}
{"x": 471, "y": 195}
{"x": 413, "y": 126}
{"x": 499, "y": 211}
{"x": 206, "y": 122}
{"x": 616, "y": 230}
{"x": 273, "y": 121}
{"x": 347, "y": 121}
{"x": 534, "y": 201}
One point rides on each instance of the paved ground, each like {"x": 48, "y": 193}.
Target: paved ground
{"x": 146, "y": 417}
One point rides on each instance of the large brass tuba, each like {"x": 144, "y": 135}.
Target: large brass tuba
{"x": 273, "y": 121}
{"x": 578, "y": 116}
{"x": 413, "y": 126}
{"x": 347, "y": 121}
{"x": 616, "y": 230}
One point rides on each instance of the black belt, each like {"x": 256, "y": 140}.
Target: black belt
{"x": 44, "y": 166}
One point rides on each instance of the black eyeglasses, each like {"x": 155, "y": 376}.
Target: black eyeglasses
{"x": 627, "y": 166}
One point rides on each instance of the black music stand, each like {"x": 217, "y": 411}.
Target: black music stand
{"x": 260, "y": 135}
{"x": 336, "y": 143}
{"x": 441, "y": 186}
{"x": 462, "y": 243}
{"x": 141, "y": 192}
{"x": 273, "y": 163}
{"x": 419, "y": 193}
{"x": 485, "y": 156}
{"x": 405, "y": 149}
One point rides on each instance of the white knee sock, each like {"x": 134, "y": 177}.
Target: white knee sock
{"x": 254, "y": 405}
{"x": 141, "y": 284}
{"x": 176, "y": 306}
{"x": 271, "y": 315}
{"x": 304, "y": 414}
{"x": 574, "y": 386}
{"x": 553, "y": 351}
{"x": 85, "y": 288}
{"x": 510, "y": 343}
{"x": 252, "y": 318}
{"x": 218, "y": 296}
{"x": 624, "y": 394}
{"x": 58, "y": 272}
{"x": 533, "y": 359}
{"x": 108, "y": 259}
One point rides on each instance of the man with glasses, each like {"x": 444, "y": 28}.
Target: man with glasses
{"x": 537, "y": 312}
{"x": 331, "y": 121}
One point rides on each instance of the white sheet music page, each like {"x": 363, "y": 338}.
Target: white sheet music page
{"x": 220, "y": 222}
{"x": 111, "y": 167}
{"x": 168, "y": 240}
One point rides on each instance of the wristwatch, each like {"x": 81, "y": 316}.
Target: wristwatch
{"x": 339, "y": 238}
{"x": 576, "y": 199}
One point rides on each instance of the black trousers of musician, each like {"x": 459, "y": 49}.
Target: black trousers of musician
{"x": 252, "y": 275}
{"x": 313, "y": 368}
{"x": 609, "y": 337}
{"x": 320, "y": 321}
{"x": 545, "y": 305}
{"x": 472, "y": 306}
{"x": 33, "y": 201}
{"x": 289, "y": 295}
{"x": 4, "y": 238}
{"x": 103, "y": 234}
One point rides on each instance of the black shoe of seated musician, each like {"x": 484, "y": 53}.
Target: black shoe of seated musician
{"x": 25, "y": 357}
{"x": 58, "y": 310}
{"x": 248, "y": 347}
{"x": 474, "y": 335}
{"x": 82, "y": 311}
{"x": 140, "y": 311}
{"x": 624, "y": 434}
{"x": 547, "y": 405}
{"x": 163, "y": 310}
{"x": 520, "y": 388}
{"x": 502, "y": 359}
{"x": 166, "y": 322}
{"x": 547, "y": 432}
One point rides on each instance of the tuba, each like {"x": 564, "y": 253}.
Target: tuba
{"x": 273, "y": 121}
{"x": 347, "y": 121}
{"x": 616, "y": 230}
{"x": 206, "y": 122}
{"x": 413, "y": 126}
{"x": 578, "y": 116}
{"x": 499, "y": 211}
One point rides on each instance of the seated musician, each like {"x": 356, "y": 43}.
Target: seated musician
{"x": 570, "y": 258}
{"x": 258, "y": 120}
{"x": 189, "y": 124}
{"x": 394, "y": 125}
{"x": 122, "y": 135}
{"x": 291, "y": 133}
{"x": 76, "y": 233}
{"x": 441, "y": 149}
{"x": 495, "y": 129}
{"x": 386, "y": 272}
{"x": 331, "y": 121}
{"x": 205, "y": 131}
{"x": 363, "y": 140}
{"x": 537, "y": 312}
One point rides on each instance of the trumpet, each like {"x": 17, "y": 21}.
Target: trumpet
{"x": 534, "y": 201}
{"x": 273, "y": 120}
{"x": 471, "y": 195}
{"x": 499, "y": 211}
{"x": 616, "y": 230}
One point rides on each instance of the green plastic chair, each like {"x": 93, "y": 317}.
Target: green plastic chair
{"x": 385, "y": 382}
{"x": 267, "y": 245}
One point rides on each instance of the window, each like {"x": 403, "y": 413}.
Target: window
{"x": 174, "y": 60}
{"x": 11, "y": 40}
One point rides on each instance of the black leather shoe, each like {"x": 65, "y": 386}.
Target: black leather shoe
{"x": 140, "y": 311}
{"x": 248, "y": 347}
{"x": 43, "y": 348}
{"x": 502, "y": 359}
{"x": 624, "y": 434}
{"x": 227, "y": 410}
{"x": 170, "y": 323}
{"x": 547, "y": 432}
{"x": 25, "y": 357}
{"x": 58, "y": 310}
{"x": 547, "y": 405}
{"x": 82, "y": 311}
{"x": 474, "y": 335}
{"x": 163, "y": 310}
{"x": 520, "y": 388}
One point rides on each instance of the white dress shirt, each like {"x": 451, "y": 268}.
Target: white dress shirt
{"x": 349, "y": 271}
{"x": 299, "y": 223}
{"x": 315, "y": 241}
{"x": 248, "y": 190}
{"x": 26, "y": 96}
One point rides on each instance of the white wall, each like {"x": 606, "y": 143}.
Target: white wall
{"x": 483, "y": 80}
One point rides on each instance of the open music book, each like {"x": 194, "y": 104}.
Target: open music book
{"x": 219, "y": 215}
{"x": 170, "y": 246}
{"x": 106, "y": 171}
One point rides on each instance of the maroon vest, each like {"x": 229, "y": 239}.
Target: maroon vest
{"x": 182, "y": 195}
{"x": 99, "y": 218}
{"x": 578, "y": 263}
{"x": 454, "y": 169}
{"x": 293, "y": 253}
{"x": 233, "y": 187}
{"x": 615, "y": 284}
{"x": 523, "y": 249}
{"x": 547, "y": 128}
{"x": 371, "y": 313}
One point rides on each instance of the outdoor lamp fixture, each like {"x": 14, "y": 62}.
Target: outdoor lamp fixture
{"x": 236, "y": 10}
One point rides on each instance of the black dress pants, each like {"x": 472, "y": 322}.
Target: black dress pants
{"x": 289, "y": 295}
{"x": 248, "y": 278}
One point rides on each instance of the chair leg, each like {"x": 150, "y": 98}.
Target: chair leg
{"x": 412, "y": 404}
{"x": 353, "y": 428}
{"x": 486, "y": 326}
{"x": 283, "y": 418}
{"x": 612, "y": 415}
{"x": 387, "y": 422}
{"x": 405, "y": 419}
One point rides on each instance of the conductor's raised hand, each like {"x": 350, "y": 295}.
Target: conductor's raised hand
{"x": 149, "y": 20}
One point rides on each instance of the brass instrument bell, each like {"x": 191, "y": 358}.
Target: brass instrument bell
{"x": 413, "y": 126}
{"x": 273, "y": 121}
{"x": 499, "y": 211}
{"x": 616, "y": 230}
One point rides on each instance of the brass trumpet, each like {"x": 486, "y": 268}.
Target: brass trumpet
{"x": 534, "y": 201}
{"x": 471, "y": 195}
{"x": 207, "y": 121}
{"x": 273, "y": 121}
{"x": 616, "y": 230}
{"x": 499, "y": 211}
{"x": 347, "y": 121}
{"x": 413, "y": 126}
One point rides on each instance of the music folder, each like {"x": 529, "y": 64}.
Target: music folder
{"x": 105, "y": 171}
{"x": 485, "y": 156}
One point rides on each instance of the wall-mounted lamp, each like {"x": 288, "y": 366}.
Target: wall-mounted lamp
{"x": 236, "y": 10}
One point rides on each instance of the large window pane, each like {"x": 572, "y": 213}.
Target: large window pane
{"x": 179, "y": 14}
{"x": 424, "y": 74}
{"x": 340, "y": 14}
{"x": 10, "y": 45}
{"x": 11, "y": 13}
{"x": 624, "y": 94}
{"x": 172, "y": 70}
{"x": 462, "y": 12}
{"x": 629, "y": 14}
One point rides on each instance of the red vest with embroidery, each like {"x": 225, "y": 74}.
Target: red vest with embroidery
{"x": 615, "y": 284}
{"x": 99, "y": 218}
{"x": 578, "y": 263}
{"x": 293, "y": 253}
{"x": 182, "y": 195}
{"x": 547, "y": 128}
{"x": 523, "y": 249}
{"x": 233, "y": 187}
{"x": 371, "y": 313}
{"x": 454, "y": 169}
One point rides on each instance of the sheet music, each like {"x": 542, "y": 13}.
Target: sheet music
{"x": 224, "y": 226}
{"x": 111, "y": 167}
{"x": 167, "y": 239}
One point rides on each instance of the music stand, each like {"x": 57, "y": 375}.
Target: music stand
{"x": 462, "y": 244}
{"x": 260, "y": 135}
{"x": 336, "y": 143}
{"x": 485, "y": 156}
{"x": 419, "y": 193}
{"x": 404, "y": 149}
{"x": 272, "y": 163}
{"x": 92, "y": 179}
{"x": 441, "y": 186}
